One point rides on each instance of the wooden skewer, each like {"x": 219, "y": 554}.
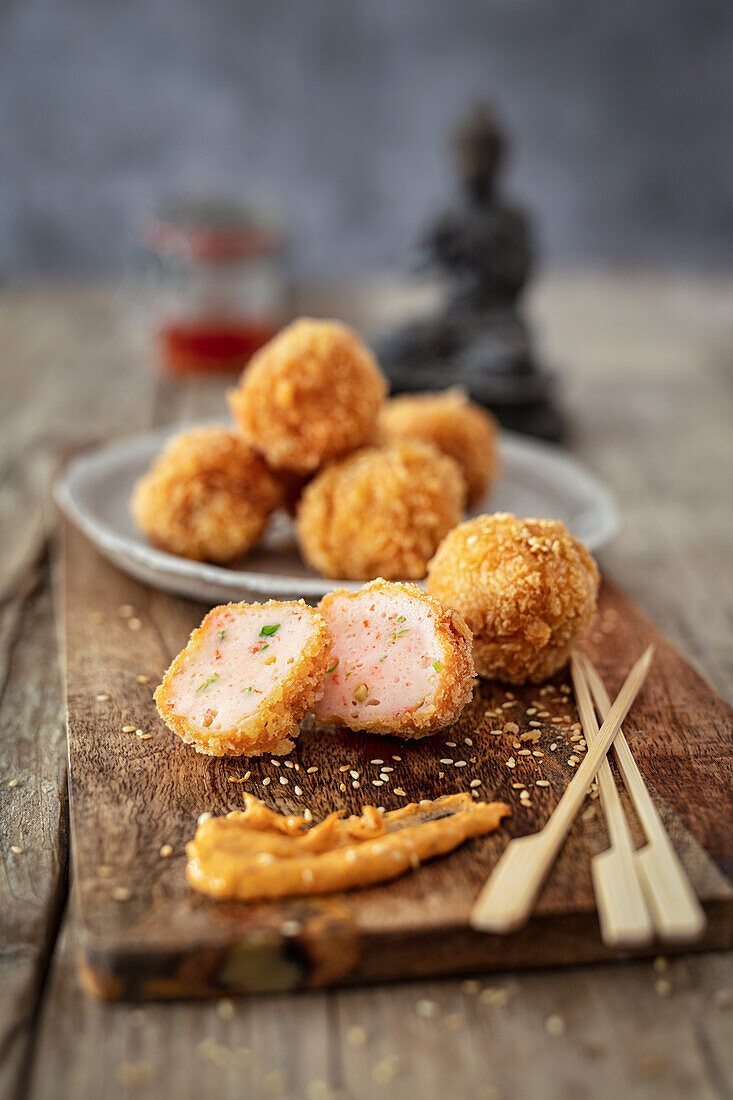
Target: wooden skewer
{"x": 675, "y": 910}
{"x": 622, "y": 909}
{"x": 508, "y": 897}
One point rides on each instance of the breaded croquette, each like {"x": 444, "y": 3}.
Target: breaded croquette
{"x": 310, "y": 395}
{"x": 246, "y": 678}
{"x": 452, "y": 423}
{"x": 207, "y": 496}
{"x": 526, "y": 588}
{"x": 381, "y": 512}
{"x": 401, "y": 662}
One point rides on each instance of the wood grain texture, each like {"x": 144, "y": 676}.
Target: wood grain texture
{"x": 645, "y": 370}
{"x": 131, "y": 796}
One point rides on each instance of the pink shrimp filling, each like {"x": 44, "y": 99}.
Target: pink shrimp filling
{"x": 386, "y": 658}
{"x": 242, "y": 656}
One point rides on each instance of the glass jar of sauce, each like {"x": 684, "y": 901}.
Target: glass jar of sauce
{"x": 220, "y": 289}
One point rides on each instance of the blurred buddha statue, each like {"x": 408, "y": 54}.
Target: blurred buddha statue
{"x": 481, "y": 248}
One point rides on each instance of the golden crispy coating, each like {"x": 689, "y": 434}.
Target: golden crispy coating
{"x": 381, "y": 512}
{"x": 526, "y": 588}
{"x": 453, "y": 424}
{"x": 401, "y": 662}
{"x": 246, "y": 677}
{"x": 207, "y": 496}
{"x": 311, "y": 395}
{"x": 256, "y": 853}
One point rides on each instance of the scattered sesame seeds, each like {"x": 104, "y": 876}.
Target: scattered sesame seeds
{"x": 121, "y": 893}
{"x": 166, "y": 851}
{"x": 555, "y": 1026}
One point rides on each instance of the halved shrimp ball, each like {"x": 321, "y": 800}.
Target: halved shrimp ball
{"x": 246, "y": 678}
{"x": 453, "y": 424}
{"x": 207, "y": 496}
{"x": 311, "y": 395}
{"x": 380, "y": 512}
{"x": 401, "y": 662}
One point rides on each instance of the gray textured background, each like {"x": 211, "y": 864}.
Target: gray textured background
{"x": 621, "y": 114}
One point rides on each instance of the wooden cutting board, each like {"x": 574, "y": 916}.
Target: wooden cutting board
{"x": 144, "y": 934}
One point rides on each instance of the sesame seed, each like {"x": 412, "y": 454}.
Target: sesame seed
{"x": 427, "y": 1010}
{"x": 139, "y": 732}
{"x": 446, "y": 760}
{"x": 266, "y": 781}
{"x": 16, "y": 849}
{"x": 553, "y": 747}
{"x": 298, "y": 790}
{"x": 524, "y": 752}
{"x": 141, "y": 679}
{"x": 354, "y": 774}
{"x": 284, "y": 780}
{"x": 102, "y": 697}
{"x": 518, "y": 786}
{"x": 398, "y": 758}
{"x": 555, "y": 1026}
{"x": 166, "y": 851}
{"x": 399, "y": 791}
{"x": 377, "y": 782}
{"x": 542, "y": 783}
{"x": 134, "y": 624}
{"x": 311, "y": 771}
{"x": 494, "y": 995}
{"x": 128, "y": 729}
{"x": 290, "y": 927}
{"x": 247, "y": 775}
{"x": 126, "y": 610}
{"x": 376, "y": 761}
{"x": 475, "y": 783}
{"x": 511, "y": 762}
{"x": 460, "y": 763}
{"x": 288, "y": 763}
{"x": 276, "y": 763}
{"x": 386, "y": 768}
{"x": 13, "y": 782}
{"x": 121, "y": 893}
{"x": 307, "y": 815}
{"x": 145, "y": 736}
{"x": 356, "y": 1037}
{"x": 496, "y": 733}
{"x": 450, "y": 745}
{"x": 204, "y": 817}
{"x": 342, "y": 787}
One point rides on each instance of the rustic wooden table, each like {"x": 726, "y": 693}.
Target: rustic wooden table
{"x": 648, "y": 380}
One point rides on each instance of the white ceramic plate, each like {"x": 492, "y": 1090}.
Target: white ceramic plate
{"x": 537, "y": 480}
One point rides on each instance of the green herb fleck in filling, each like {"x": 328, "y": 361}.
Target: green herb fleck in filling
{"x": 268, "y": 631}
{"x": 437, "y": 666}
{"x": 333, "y": 667}
{"x": 207, "y": 683}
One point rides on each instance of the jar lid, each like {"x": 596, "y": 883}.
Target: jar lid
{"x": 212, "y": 229}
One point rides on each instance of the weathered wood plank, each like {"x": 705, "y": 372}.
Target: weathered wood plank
{"x": 131, "y": 796}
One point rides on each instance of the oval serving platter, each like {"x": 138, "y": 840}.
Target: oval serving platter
{"x": 537, "y": 480}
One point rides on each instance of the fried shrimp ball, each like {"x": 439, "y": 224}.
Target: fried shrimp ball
{"x": 311, "y": 395}
{"x": 452, "y": 423}
{"x": 526, "y": 588}
{"x": 380, "y": 512}
{"x": 401, "y": 663}
{"x": 207, "y": 496}
{"x": 247, "y": 676}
